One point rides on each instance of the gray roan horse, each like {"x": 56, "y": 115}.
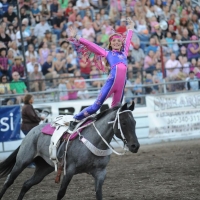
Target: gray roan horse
{"x": 35, "y": 148}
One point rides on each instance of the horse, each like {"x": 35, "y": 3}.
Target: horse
{"x": 79, "y": 159}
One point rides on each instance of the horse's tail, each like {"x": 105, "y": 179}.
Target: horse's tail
{"x": 7, "y": 165}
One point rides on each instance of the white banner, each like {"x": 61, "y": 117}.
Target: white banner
{"x": 174, "y": 115}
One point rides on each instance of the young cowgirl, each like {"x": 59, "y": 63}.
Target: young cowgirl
{"x": 116, "y": 56}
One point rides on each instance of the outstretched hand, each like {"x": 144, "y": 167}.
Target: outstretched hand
{"x": 131, "y": 23}
{"x": 72, "y": 32}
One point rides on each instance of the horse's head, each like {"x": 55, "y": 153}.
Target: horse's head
{"x": 124, "y": 127}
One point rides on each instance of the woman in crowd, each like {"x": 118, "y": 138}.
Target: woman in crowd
{"x": 29, "y": 117}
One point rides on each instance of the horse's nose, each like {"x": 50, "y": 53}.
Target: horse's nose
{"x": 135, "y": 147}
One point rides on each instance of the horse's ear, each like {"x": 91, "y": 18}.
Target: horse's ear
{"x": 132, "y": 106}
{"x": 124, "y": 107}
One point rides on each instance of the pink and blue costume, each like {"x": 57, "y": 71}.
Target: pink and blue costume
{"x": 117, "y": 78}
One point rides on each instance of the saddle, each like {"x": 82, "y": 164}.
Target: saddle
{"x": 58, "y": 129}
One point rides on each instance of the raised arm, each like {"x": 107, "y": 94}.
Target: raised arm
{"x": 129, "y": 35}
{"x": 93, "y": 47}
{"x": 127, "y": 41}
{"x": 89, "y": 45}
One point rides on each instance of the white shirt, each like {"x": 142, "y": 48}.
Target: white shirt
{"x": 18, "y": 36}
{"x": 82, "y": 5}
{"x": 30, "y": 67}
{"x": 40, "y": 29}
{"x": 173, "y": 67}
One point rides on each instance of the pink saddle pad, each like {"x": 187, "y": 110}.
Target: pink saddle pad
{"x": 49, "y": 130}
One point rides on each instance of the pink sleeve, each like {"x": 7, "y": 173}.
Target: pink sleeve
{"x": 93, "y": 47}
{"x": 128, "y": 42}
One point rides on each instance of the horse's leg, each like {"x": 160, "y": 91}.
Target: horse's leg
{"x": 65, "y": 182}
{"x": 17, "y": 169}
{"x": 99, "y": 176}
{"x": 42, "y": 169}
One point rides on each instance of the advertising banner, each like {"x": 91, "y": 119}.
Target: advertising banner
{"x": 174, "y": 115}
{"x": 10, "y": 118}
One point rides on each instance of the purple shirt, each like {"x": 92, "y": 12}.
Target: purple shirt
{"x": 189, "y": 53}
{"x": 4, "y": 62}
{"x": 19, "y": 69}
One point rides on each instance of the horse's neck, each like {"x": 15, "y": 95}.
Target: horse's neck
{"x": 106, "y": 132}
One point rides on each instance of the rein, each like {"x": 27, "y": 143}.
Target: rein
{"x": 111, "y": 149}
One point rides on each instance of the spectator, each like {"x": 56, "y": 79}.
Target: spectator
{"x": 73, "y": 14}
{"x": 83, "y": 6}
{"x": 88, "y": 31}
{"x": 10, "y": 16}
{"x": 54, "y": 8}
{"x": 80, "y": 84}
{"x": 49, "y": 38}
{"x": 45, "y": 9}
{"x": 96, "y": 4}
{"x": 85, "y": 68}
{"x": 197, "y": 69}
{"x": 172, "y": 67}
{"x": 95, "y": 74}
{"x": 30, "y": 65}
{"x": 11, "y": 31}
{"x": 138, "y": 53}
{"x": 30, "y": 53}
{"x": 128, "y": 94}
{"x": 193, "y": 48}
{"x": 150, "y": 62}
{"x": 182, "y": 55}
{"x": 63, "y": 4}
{"x": 69, "y": 9}
{"x": 5, "y": 6}
{"x": 185, "y": 37}
{"x": 4, "y": 37}
{"x": 62, "y": 87}
{"x": 37, "y": 80}
{"x": 44, "y": 52}
{"x": 4, "y": 67}
{"x": 137, "y": 90}
{"x": 71, "y": 60}
{"x": 58, "y": 24}
{"x": 41, "y": 28}
{"x": 14, "y": 49}
{"x": 49, "y": 72}
{"x": 152, "y": 47}
{"x": 17, "y": 86}
{"x": 10, "y": 57}
{"x": 59, "y": 64}
{"x": 72, "y": 90}
{"x": 18, "y": 67}
{"x": 5, "y": 90}
{"x": 29, "y": 117}
{"x": 192, "y": 82}
{"x": 35, "y": 11}
{"x": 97, "y": 24}
{"x": 26, "y": 38}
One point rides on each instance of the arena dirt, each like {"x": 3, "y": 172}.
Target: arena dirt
{"x": 158, "y": 172}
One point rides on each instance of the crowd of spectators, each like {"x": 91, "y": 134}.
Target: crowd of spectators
{"x": 51, "y": 60}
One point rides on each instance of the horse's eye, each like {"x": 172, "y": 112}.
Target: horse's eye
{"x": 124, "y": 123}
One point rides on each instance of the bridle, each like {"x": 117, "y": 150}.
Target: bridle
{"x": 117, "y": 120}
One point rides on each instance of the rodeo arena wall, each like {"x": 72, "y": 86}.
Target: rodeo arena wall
{"x": 164, "y": 118}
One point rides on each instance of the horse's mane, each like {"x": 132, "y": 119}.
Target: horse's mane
{"x": 105, "y": 112}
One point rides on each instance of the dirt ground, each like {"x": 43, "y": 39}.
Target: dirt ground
{"x": 157, "y": 172}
